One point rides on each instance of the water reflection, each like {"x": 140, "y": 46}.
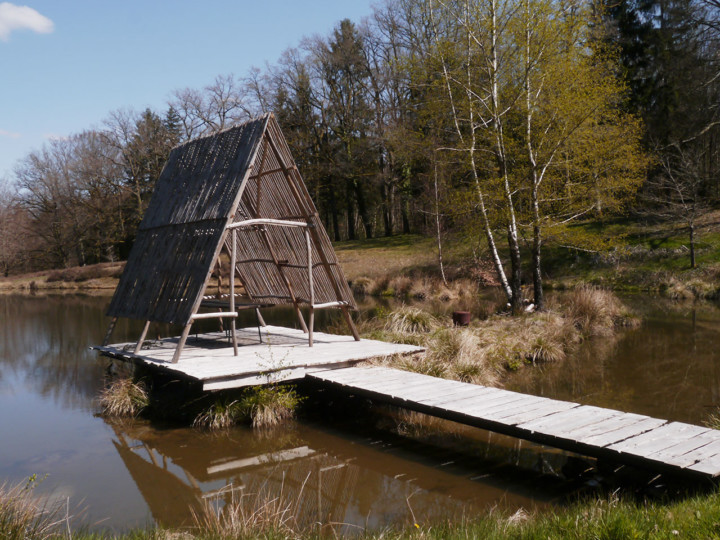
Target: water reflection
{"x": 668, "y": 367}
{"x": 374, "y": 482}
{"x": 362, "y": 474}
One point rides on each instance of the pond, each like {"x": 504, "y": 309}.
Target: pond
{"x": 344, "y": 462}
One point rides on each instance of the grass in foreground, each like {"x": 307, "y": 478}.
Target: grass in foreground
{"x": 278, "y": 516}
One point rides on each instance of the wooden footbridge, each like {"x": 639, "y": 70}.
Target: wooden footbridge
{"x": 620, "y": 437}
{"x": 283, "y": 355}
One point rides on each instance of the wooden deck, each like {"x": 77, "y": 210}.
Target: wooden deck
{"x": 283, "y": 355}
{"x": 633, "y": 439}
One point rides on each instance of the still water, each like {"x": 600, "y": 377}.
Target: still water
{"x": 345, "y": 463}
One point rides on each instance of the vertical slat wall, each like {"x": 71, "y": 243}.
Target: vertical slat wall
{"x": 268, "y": 194}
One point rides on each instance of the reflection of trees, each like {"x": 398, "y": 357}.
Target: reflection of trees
{"x": 665, "y": 368}
{"x": 45, "y": 341}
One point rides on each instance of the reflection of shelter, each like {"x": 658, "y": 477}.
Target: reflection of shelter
{"x": 175, "y": 480}
{"x": 237, "y": 193}
{"x": 331, "y": 478}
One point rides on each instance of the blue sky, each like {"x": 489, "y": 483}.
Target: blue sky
{"x": 65, "y": 64}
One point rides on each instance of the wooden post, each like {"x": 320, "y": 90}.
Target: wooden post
{"x": 109, "y": 332}
{"x": 142, "y": 337}
{"x": 181, "y": 343}
{"x": 233, "y": 260}
{"x": 312, "y": 290}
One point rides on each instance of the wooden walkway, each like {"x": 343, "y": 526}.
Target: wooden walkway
{"x": 633, "y": 439}
{"x": 283, "y": 355}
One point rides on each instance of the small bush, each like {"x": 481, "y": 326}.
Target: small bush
{"x": 123, "y": 398}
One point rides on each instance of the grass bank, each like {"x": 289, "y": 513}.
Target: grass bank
{"x": 24, "y": 516}
{"x": 96, "y": 278}
{"x": 482, "y": 352}
{"x": 631, "y": 255}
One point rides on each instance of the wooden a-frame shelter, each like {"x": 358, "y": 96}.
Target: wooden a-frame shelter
{"x": 239, "y": 192}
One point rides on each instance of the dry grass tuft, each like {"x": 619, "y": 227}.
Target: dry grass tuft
{"x": 123, "y": 398}
{"x": 593, "y": 311}
{"x": 410, "y": 320}
{"x": 263, "y": 406}
{"x": 24, "y": 516}
{"x": 222, "y": 414}
{"x": 362, "y": 286}
{"x": 253, "y": 515}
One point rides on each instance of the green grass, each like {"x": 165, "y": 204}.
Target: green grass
{"x": 608, "y": 518}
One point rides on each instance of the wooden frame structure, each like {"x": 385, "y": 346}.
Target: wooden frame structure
{"x": 236, "y": 192}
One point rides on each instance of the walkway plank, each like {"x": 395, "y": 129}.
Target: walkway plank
{"x": 633, "y": 439}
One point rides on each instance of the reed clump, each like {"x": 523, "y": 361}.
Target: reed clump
{"x": 123, "y": 398}
{"x": 416, "y": 287}
{"x": 264, "y": 514}
{"x": 261, "y": 406}
{"x": 596, "y": 312}
{"x": 480, "y": 353}
{"x": 25, "y": 516}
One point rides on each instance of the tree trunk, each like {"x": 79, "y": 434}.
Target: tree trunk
{"x": 406, "y": 216}
{"x": 515, "y": 271}
{"x": 692, "y": 244}
{"x": 536, "y": 268}
{"x": 350, "y": 210}
{"x": 362, "y": 209}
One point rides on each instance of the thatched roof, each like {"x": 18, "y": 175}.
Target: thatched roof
{"x": 245, "y": 172}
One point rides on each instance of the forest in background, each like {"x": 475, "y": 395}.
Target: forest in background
{"x": 502, "y": 122}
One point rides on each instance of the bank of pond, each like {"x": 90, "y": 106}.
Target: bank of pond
{"x": 346, "y": 465}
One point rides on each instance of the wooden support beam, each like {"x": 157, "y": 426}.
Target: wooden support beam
{"x": 213, "y": 315}
{"x": 142, "y": 337}
{"x": 312, "y": 289}
{"x": 181, "y": 343}
{"x": 267, "y": 221}
{"x": 233, "y": 263}
{"x": 108, "y": 334}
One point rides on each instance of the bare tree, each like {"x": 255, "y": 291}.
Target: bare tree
{"x": 676, "y": 194}
{"x": 14, "y": 245}
{"x": 213, "y": 108}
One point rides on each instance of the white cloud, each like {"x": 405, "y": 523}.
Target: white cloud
{"x": 11, "y": 134}
{"x": 14, "y": 17}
